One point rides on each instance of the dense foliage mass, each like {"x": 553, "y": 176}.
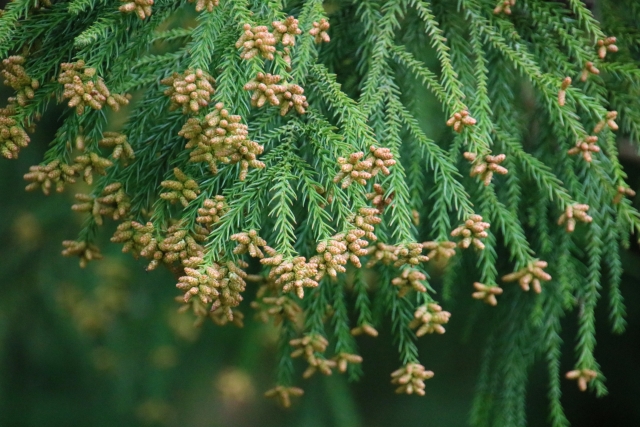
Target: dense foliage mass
{"x": 278, "y": 153}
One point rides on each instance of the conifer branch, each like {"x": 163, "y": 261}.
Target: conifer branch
{"x": 291, "y": 133}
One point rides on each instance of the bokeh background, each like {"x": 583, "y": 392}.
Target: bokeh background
{"x": 105, "y": 346}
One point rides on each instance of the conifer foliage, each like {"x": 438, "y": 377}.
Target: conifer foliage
{"x": 272, "y": 154}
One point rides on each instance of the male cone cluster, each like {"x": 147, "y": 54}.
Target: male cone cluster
{"x": 190, "y": 90}
{"x": 83, "y": 88}
{"x": 471, "y": 232}
{"x": 267, "y": 87}
{"x": 221, "y": 137}
{"x": 410, "y": 379}
{"x": 15, "y": 76}
{"x": 12, "y": 136}
{"x": 530, "y": 276}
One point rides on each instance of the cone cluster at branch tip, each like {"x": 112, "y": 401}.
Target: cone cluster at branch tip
{"x": 366, "y": 220}
{"x": 585, "y": 147}
{"x": 319, "y": 31}
{"x": 205, "y": 4}
{"x": 289, "y": 274}
{"x": 608, "y": 122}
{"x": 88, "y": 164}
{"x": 84, "y": 89}
{"x": 504, "y": 6}
{"x": 52, "y": 174}
{"x": 486, "y": 293}
{"x": 355, "y": 169}
{"x": 583, "y": 376}
{"x": 137, "y": 238}
{"x": 460, "y": 120}
{"x": 589, "y": 68}
{"x": 190, "y": 90}
{"x": 486, "y": 166}
{"x": 292, "y": 274}
{"x": 343, "y": 360}
{"x": 365, "y": 329}
{"x": 398, "y": 255}
{"x": 86, "y": 251}
{"x": 333, "y": 256}
{"x": 533, "y": 274}
{"x": 142, "y": 8}
{"x": 410, "y": 379}
{"x": 256, "y": 41}
{"x": 621, "y": 192}
{"x": 122, "y": 150}
{"x": 440, "y": 250}
{"x": 16, "y": 77}
{"x": 310, "y": 347}
{"x": 211, "y": 211}
{"x": 607, "y": 45}
{"x": 184, "y": 245}
{"x": 178, "y": 243}
{"x": 378, "y": 199}
{"x": 356, "y": 245}
{"x": 221, "y": 138}
{"x": 184, "y": 189}
{"x": 471, "y": 232}
{"x": 249, "y": 242}
{"x": 259, "y": 41}
{"x": 428, "y": 319}
{"x": 113, "y": 203}
{"x": 284, "y": 394}
{"x": 410, "y": 279}
{"x": 573, "y": 213}
{"x": 267, "y": 87}
{"x": 13, "y": 137}
{"x": 286, "y": 31}
{"x": 213, "y": 287}
{"x": 562, "y": 93}
{"x": 382, "y": 253}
